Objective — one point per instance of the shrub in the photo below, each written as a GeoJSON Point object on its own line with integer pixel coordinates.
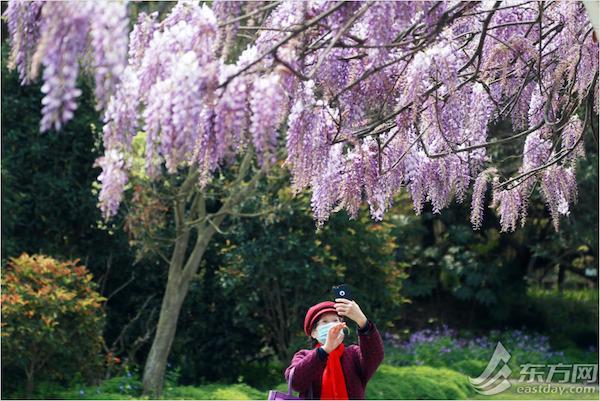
{"type": "Point", "coordinates": [262, 375]}
{"type": "Point", "coordinates": [125, 386]}
{"type": "Point", "coordinates": [570, 316]}
{"type": "Point", "coordinates": [116, 388]}
{"type": "Point", "coordinates": [470, 367]}
{"type": "Point", "coordinates": [51, 317]}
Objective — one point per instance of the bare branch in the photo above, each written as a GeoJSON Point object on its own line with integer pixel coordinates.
{"type": "Point", "coordinates": [250, 14]}
{"type": "Point", "coordinates": [121, 287]}
{"type": "Point", "coordinates": [342, 30]}
{"type": "Point", "coordinates": [560, 156]}
{"type": "Point", "coordinates": [477, 53]}
{"type": "Point", "coordinates": [283, 41]}
{"type": "Point", "coordinates": [487, 144]}
{"type": "Point", "coordinates": [499, 8]}
{"type": "Point", "coordinates": [127, 327]}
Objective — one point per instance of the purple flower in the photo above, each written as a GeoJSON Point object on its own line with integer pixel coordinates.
{"type": "Point", "coordinates": [267, 104]}
{"type": "Point", "coordinates": [379, 97]}
{"type": "Point", "coordinates": [120, 118]}
{"type": "Point", "coordinates": [113, 179]}
{"type": "Point", "coordinates": [109, 29]}
{"type": "Point", "coordinates": [479, 189]}
{"type": "Point", "coordinates": [559, 189]}
{"type": "Point", "coordinates": [64, 28]}
{"type": "Point", "coordinates": [140, 37]}
{"type": "Point", "coordinates": [24, 30]}
{"type": "Point", "coordinates": [508, 203]}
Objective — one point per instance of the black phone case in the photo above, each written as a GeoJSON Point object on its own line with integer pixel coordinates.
{"type": "Point", "coordinates": [341, 288]}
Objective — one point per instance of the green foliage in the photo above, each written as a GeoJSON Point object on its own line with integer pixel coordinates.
{"type": "Point", "coordinates": [570, 316]}
{"type": "Point", "coordinates": [129, 387]}
{"type": "Point", "coordinates": [575, 247]}
{"type": "Point", "coordinates": [259, 277]}
{"type": "Point", "coordinates": [49, 207]}
{"type": "Point", "coordinates": [52, 318]}
{"type": "Point", "coordinates": [211, 343]}
{"type": "Point", "coordinates": [205, 392]}
{"type": "Point", "coordinates": [413, 383]}
{"type": "Point", "coordinates": [478, 279]}
{"type": "Point", "coordinates": [470, 354]}
{"type": "Point", "coordinates": [418, 383]}
{"type": "Point", "coordinates": [421, 382]}
{"type": "Point", "coordinates": [389, 382]}
{"type": "Point", "coordinates": [215, 392]}
{"type": "Point", "coordinates": [470, 367]}
{"type": "Point", "coordinates": [471, 276]}
{"type": "Point", "coordinates": [119, 387]}
{"type": "Point", "coordinates": [47, 177]}
{"type": "Point", "coordinates": [261, 375]}
{"type": "Point", "coordinates": [44, 389]}
{"type": "Point", "coordinates": [276, 266]}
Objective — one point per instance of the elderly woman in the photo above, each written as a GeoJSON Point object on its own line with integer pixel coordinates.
{"type": "Point", "coordinates": [330, 370]}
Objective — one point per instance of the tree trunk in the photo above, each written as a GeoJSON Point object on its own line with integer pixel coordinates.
{"type": "Point", "coordinates": [154, 369]}
{"type": "Point", "coordinates": [182, 269]}
{"type": "Point", "coordinates": [29, 373]}
{"type": "Point", "coordinates": [181, 272]}
{"type": "Point", "coordinates": [561, 277]}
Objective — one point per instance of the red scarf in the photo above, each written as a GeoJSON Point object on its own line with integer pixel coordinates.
{"type": "Point", "coordinates": [333, 385]}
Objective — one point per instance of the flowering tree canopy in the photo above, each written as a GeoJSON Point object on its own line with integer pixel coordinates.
{"type": "Point", "coordinates": [369, 97]}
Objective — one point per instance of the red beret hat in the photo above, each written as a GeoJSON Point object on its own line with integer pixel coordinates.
{"type": "Point", "coordinates": [315, 312]}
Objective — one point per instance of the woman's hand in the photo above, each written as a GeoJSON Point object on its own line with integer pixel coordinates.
{"type": "Point", "coordinates": [350, 309]}
{"type": "Point", "coordinates": [334, 337]}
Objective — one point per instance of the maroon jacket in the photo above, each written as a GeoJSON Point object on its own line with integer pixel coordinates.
{"type": "Point", "coordinates": [359, 363]}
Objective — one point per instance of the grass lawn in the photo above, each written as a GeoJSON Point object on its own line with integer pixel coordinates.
{"type": "Point", "coordinates": [414, 382]}
{"type": "Point", "coordinates": [388, 383]}
{"type": "Point", "coordinates": [206, 392]}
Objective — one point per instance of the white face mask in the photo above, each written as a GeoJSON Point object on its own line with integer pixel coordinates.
{"type": "Point", "coordinates": [324, 329]}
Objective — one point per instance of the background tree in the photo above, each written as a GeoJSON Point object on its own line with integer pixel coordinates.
{"type": "Point", "coordinates": [49, 206]}
{"type": "Point", "coordinates": [282, 266]}
{"type": "Point", "coordinates": [50, 309]}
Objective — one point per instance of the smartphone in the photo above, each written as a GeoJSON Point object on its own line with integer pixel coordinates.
{"type": "Point", "coordinates": [341, 291]}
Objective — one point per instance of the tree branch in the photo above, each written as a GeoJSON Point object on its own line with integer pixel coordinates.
{"type": "Point", "coordinates": [342, 30]}
{"type": "Point", "coordinates": [250, 14]}
{"type": "Point", "coordinates": [477, 53]}
{"type": "Point", "coordinates": [282, 42]}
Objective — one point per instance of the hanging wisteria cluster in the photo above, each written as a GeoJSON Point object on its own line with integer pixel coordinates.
{"type": "Point", "coordinates": [369, 97]}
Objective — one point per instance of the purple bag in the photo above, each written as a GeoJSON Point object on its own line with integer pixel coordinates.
{"type": "Point", "coordinates": [278, 395]}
